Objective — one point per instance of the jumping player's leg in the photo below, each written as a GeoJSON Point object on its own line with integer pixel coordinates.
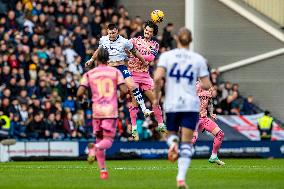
{"type": "Point", "coordinates": [133, 110]}
{"type": "Point", "coordinates": [212, 127]}
{"type": "Point", "coordinates": [134, 89]}
{"type": "Point", "coordinates": [156, 108]}
{"type": "Point", "coordinates": [137, 95]}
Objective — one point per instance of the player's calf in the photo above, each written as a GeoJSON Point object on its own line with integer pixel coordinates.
{"type": "Point", "coordinates": [172, 142]}
{"type": "Point", "coordinates": [91, 153]}
{"type": "Point", "coordinates": [218, 139]}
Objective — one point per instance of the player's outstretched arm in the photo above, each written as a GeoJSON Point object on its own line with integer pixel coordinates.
{"type": "Point", "coordinates": [81, 91]}
{"type": "Point", "coordinates": [90, 62]}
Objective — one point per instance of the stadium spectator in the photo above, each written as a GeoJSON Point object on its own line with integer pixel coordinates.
{"type": "Point", "coordinates": [247, 107]}
{"type": "Point", "coordinates": [167, 39]}
{"type": "Point", "coordinates": [226, 90]}
{"type": "Point", "coordinates": [123, 127]}
{"type": "Point", "coordinates": [18, 129]}
{"type": "Point", "coordinates": [36, 129]}
{"type": "Point", "coordinates": [58, 130]}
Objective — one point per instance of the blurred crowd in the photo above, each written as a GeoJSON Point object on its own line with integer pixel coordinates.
{"type": "Point", "coordinates": [43, 47]}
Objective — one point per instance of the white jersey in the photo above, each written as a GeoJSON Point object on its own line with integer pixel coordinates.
{"type": "Point", "coordinates": [183, 67]}
{"type": "Point", "coordinates": [116, 49]}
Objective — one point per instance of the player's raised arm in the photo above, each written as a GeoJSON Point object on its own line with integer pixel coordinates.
{"type": "Point", "coordinates": [81, 91]}
{"type": "Point", "coordinates": [84, 84]}
{"type": "Point", "coordinates": [90, 62]}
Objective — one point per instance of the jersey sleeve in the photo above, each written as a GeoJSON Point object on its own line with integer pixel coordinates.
{"type": "Point", "coordinates": [120, 79]}
{"type": "Point", "coordinates": [128, 44]}
{"type": "Point", "coordinates": [155, 49]}
{"type": "Point", "coordinates": [203, 69]}
{"type": "Point", "coordinates": [101, 42]}
{"type": "Point", "coordinates": [163, 61]}
{"type": "Point", "coordinates": [85, 80]}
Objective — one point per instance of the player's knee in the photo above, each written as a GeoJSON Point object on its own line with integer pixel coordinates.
{"type": "Point", "coordinates": [220, 135]}
{"type": "Point", "coordinates": [130, 83]}
{"type": "Point", "coordinates": [186, 151]}
{"type": "Point", "coordinates": [108, 141]}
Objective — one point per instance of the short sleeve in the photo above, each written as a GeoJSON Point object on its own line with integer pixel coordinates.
{"type": "Point", "coordinates": [128, 44]}
{"type": "Point", "coordinates": [162, 61]}
{"type": "Point", "coordinates": [156, 49]}
{"type": "Point", "coordinates": [203, 69]}
{"type": "Point", "coordinates": [101, 42]}
{"type": "Point", "coordinates": [84, 80]}
{"type": "Point", "coordinates": [120, 79]}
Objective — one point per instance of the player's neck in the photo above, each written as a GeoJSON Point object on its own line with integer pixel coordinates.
{"type": "Point", "coordinates": [182, 47]}
{"type": "Point", "coordinates": [115, 39]}
{"type": "Point", "coordinates": [147, 39]}
{"type": "Point", "coordinates": [101, 64]}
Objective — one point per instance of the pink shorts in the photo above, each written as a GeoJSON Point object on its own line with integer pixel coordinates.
{"type": "Point", "coordinates": [107, 127]}
{"type": "Point", "coordinates": [143, 80]}
{"type": "Point", "coordinates": [207, 124]}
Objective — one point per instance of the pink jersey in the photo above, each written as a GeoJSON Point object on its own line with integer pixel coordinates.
{"type": "Point", "coordinates": [204, 96]}
{"type": "Point", "coordinates": [103, 81]}
{"type": "Point", "coordinates": [148, 49]}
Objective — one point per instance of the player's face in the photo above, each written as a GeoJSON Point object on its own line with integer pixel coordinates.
{"type": "Point", "coordinates": [148, 32]}
{"type": "Point", "coordinates": [112, 34]}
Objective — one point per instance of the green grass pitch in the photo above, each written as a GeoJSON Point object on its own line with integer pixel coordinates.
{"type": "Point", "coordinates": [143, 174]}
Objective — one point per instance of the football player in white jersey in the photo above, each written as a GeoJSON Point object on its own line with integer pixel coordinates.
{"type": "Point", "coordinates": [117, 46]}
{"type": "Point", "coordinates": [181, 68]}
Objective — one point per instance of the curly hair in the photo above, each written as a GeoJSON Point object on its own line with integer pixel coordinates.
{"type": "Point", "coordinates": [151, 24]}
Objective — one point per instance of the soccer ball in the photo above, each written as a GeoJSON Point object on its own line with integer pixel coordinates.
{"type": "Point", "coordinates": [157, 16]}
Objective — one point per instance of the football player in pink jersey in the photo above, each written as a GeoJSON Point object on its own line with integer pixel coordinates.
{"type": "Point", "coordinates": [207, 124]}
{"type": "Point", "coordinates": [103, 82]}
{"type": "Point", "coordinates": [148, 48]}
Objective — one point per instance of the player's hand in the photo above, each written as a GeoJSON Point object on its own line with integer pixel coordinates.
{"type": "Point", "coordinates": [89, 63]}
{"type": "Point", "coordinates": [214, 116]}
{"type": "Point", "coordinates": [127, 52]}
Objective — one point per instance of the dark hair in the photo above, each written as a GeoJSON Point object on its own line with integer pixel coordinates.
{"type": "Point", "coordinates": [112, 26]}
{"type": "Point", "coordinates": [103, 55]}
{"type": "Point", "coordinates": [184, 36]}
{"type": "Point", "coordinates": [151, 24]}
{"type": "Point", "coordinates": [266, 112]}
